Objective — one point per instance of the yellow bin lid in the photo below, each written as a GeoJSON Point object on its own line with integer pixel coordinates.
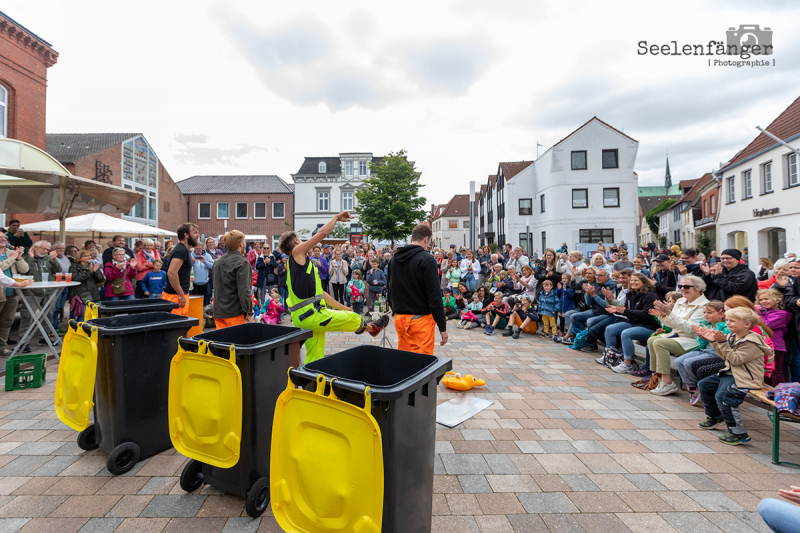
{"type": "Point", "coordinates": [76, 374]}
{"type": "Point", "coordinates": [326, 463]}
{"type": "Point", "coordinates": [205, 406]}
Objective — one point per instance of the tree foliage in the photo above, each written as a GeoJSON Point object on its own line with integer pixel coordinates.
{"type": "Point", "coordinates": [340, 231]}
{"type": "Point", "coordinates": [703, 244]}
{"type": "Point", "coordinates": [652, 216]}
{"type": "Point", "coordinates": [390, 205]}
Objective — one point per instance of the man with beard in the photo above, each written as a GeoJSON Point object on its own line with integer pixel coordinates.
{"type": "Point", "coordinates": [180, 268]}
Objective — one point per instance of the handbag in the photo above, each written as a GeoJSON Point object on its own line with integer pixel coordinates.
{"type": "Point", "coordinates": [118, 286]}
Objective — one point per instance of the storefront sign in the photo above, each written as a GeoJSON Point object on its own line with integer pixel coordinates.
{"type": "Point", "coordinates": [766, 212]}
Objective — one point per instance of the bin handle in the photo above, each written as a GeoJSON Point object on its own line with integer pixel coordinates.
{"type": "Point", "coordinates": [232, 352]}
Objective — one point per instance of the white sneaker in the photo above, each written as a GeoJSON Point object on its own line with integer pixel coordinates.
{"type": "Point", "coordinates": [622, 368]}
{"type": "Point", "coordinates": [601, 360]}
{"type": "Point", "coordinates": [664, 390]}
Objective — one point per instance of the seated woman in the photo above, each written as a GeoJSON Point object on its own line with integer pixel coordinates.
{"type": "Point", "coordinates": [638, 325]}
{"type": "Point", "coordinates": [687, 312]}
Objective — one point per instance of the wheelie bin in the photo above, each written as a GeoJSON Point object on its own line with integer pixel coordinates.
{"type": "Point", "coordinates": [223, 388]}
{"type": "Point", "coordinates": [108, 308]}
{"type": "Point", "coordinates": [400, 389]}
{"type": "Point", "coordinates": [119, 367]}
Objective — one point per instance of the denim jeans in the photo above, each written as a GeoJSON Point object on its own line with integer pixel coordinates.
{"type": "Point", "coordinates": [115, 298]}
{"type": "Point", "coordinates": [627, 333]}
{"type": "Point", "coordinates": [684, 365]}
{"type": "Point", "coordinates": [568, 320]}
{"type": "Point", "coordinates": [721, 398]}
{"type": "Point", "coordinates": [794, 364]}
{"type": "Point", "coordinates": [471, 282]}
{"type": "Point", "coordinates": [60, 301]}
{"type": "Point", "coordinates": [579, 319]}
{"type": "Point", "coordinates": [597, 325]}
{"type": "Point", "coordinates": [780, 516]}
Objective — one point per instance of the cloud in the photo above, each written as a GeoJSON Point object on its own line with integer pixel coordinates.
{"type": "Point", "coordinates": [196, 138]}
{"type": "Point", "coordinates": [207, 155]}
{"type": "Point", "coordinates": [305, 63]}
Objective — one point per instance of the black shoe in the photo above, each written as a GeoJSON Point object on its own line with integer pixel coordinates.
{"type": "Point", "coordinates": [508, 333]}
{"type": "Point", "coordinates": [26, 349]}
{"type": "Point", "coordinates": [379, 325]}
{"type": "Point", "coordinates": [9, 342]}
{"type": "Point", "coordinates": [516, 333]}
{"type": "Point", "coordinates": [589, 348]}
{"type": "Point", "coordinates": [710, 422]}
{"type": "Point", "coordinates": [42, 342]}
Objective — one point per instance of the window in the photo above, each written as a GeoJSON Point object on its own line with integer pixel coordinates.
{"type": "Point", "coordinates": [766, 178]}
{"type": "Point", "coordinates": [705, 208]}
{"type": "Point", "coordinates": [747, 184]}
{"type": "Point", "coordinates": [347, 201]}
{"type": "Point", "coordinates": [204, 210]}
{"type": "Point", "coordinates": [362, 168]}
{"type": "Point", "coordinates": [452, 224]}
{"type": "Point", "coordinates": [278, 210]}
{"type": "Point", "coordinates": [610, 159]}
{"type": "Point", "coordinates": [260, 210]}
{"type": "Point", "coordinates": [348, 168]}
{"type": "Point", "coordinates": [713, 203]}
{"type": "Point", "coordinates": [580, 198]}
{"type": "Point", "coordinates": [525, 206]}
{"type": "Point", "coordinates": [152, 201]}
{"type": "Point", "coordinates": [323, 167]}
{"type": "Point", "coordinates": [241, 209]}
{"type": "Point", "coordinates": [275, 239]}
{"type": "Point", "coordinates": [323, 201]}
{"type": "Point", "coordinates": [731, 190]}
{"type": "Point", "coordinates": [593, 236]}
{"type": "Point", "coordinates": [541, 204]}
{"type": "Point", "coordinates": [579, 160]}
{"type": "Point", "coordinates": [140, 209]}
{"type": "Point", "coordinates": [611, 197]}
{"type": "Point", "coordinates": [222, 210]}
{"type": "Point", "coordinates": [676, 213]}
{"type": "Point", "coordinates": [3, 112]}
{"type": "Point", "coordinates": [139, 168]}
{"type": "Point", "coordinates": [791, 166]}
{"type": "Point", "coordinates": [544, 240]}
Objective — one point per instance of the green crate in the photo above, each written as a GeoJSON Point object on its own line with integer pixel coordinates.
{"type": "Point", "coordinates": [18, 378]}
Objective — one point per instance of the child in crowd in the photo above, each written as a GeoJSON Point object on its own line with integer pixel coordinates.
{"type": "Point", "coordinates": [502, 283]}
{"type": "Point", "coordinates": [566, 298]}
{"type": "Point", "coordinates": [449, 303]}
{"type": "Point", "coordinates": [272, 310]}
{"type": "Point", "coordinates": [461, 305]}
{"type": "Point", "coordinates": [153, 282]}
{"type": "Point", "coordinates": [526, 313]}
{"type": "Point", "coordinates": [614, 275]}
{"type": "Point", "coordinates": [453, 275]}
{"type": "Point", "coordinates": [744, 352]}
{"type": "Point", "coordinates": [497, 314]}
{"type": "Point", "coordinates": [548, 307]}
{"type": "Point", "coordinates": [713, 317]}
{"type": "Point", "coordinates": [356, 289]}
{"type": "Point", "coordinates": [777, 319]}
{"type": "Point", "coordinates": [470, 319]}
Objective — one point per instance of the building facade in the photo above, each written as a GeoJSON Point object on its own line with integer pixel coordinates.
{"type": "Point", "coordinates": [254, 205]}
{"type": "Point", "coordinates": [450, 223]}
{"type": "Point", "coordinates": [325, 186]}
{"type": "Point", "coordinates": [706, 223]}
{"type": "Point", "coordinates": [760, 190]}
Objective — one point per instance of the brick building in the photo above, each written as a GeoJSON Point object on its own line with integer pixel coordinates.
{"type": "Point", "coordinates": [24, 60]}
{"type": "Point", "coordinates": [255, 205]}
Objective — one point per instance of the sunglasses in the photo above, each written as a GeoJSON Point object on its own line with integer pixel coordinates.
{"type": "Point", "coordinates": [687, 287]}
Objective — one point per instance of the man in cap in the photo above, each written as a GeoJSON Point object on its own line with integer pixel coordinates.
{"type": "Point", "coordinates": [729, 277]}
{"type": "Point", "coordinates": [664, 278]}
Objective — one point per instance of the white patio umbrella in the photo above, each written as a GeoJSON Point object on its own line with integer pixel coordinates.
{"type": "Point", "coordinates": [31, 181]}
{"type": "Point", "coordinates": [98, 225]}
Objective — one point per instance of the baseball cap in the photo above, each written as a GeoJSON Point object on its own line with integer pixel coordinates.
{"type": "Point", "coordinates": [284, 256]}
{"type": "Point", "coordinates": [661, 257]}
{"type": "Point", "coordinates": [326, 246]}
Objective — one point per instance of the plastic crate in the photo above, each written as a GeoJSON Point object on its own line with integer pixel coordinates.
{"type": "Point", "coordinates": [18, 378]}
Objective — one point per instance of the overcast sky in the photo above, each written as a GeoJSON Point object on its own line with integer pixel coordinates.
{"type": "Point", "coordinates": [239, 87]}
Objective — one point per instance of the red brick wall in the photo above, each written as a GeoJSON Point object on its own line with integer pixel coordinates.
{"type": "Point", "coordinates": [23, 72]}
{"type": "Point", "coordinates": [705, 202]}
{"type": "Point", "coordinates": [251, 226]}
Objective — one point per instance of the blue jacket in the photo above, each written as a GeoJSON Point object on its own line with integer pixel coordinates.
{"type": "Point", "coordinates": [548, 303]}
{"type": "Point", "coordinates": [153, 282]}
{"type": "Point", "coordinates": [566, 298]}
{"type": "Point", "coordinates": [378, 276]}
{"type": "Point", "coordinates": [201, 269]}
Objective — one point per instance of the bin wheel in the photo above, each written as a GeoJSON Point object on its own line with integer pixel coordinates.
{"type": "Point", "coordinates": [257, 498]}
{"type": "Point", "coordinates": [192, 476]}
{"type": "Point", "coordinates": [123, 458]}
{"type": "Point", "coordinates": [87, 439]}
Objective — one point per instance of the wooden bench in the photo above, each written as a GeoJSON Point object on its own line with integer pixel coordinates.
{"type": "Point", "coordinates": [775, 417]}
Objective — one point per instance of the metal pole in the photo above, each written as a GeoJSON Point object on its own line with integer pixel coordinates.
{"type": "Point", "coordinates": [472, 215]}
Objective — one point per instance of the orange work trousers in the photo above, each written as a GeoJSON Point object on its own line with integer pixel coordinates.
{"type": "Point", "coordinates": [183, 311]}
{"type": "Point", "coordinates": [228, 322]}
{"type": "Point", "coordinates": [415, 335]}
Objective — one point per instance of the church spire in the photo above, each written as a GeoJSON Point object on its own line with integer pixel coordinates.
{"type": "Point", "coordinates": [667, 177]}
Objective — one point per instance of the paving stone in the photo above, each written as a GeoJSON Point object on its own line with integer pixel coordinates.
{"type": "Point", "coordinates": [454, 524]}
{"type": "Point", "coordinates": [465, 464]}
{"type": "Point", "coordinates": [477, 434]}
{"type": "Point", "coordinates": [23, 465]}
{"type": "Point", "coordinates": [512, 483]}
{"type": "Point", "coordinates": [599, 502]}
{"type": "Point", "coordinates": [662, 446]}
{"type": "Point", "coordinates": [546, 502]}
{"type": "Point", "coordinates": [689, 522]}
{"type": "Point", "coordinates": [500, 464]}
{"type": "Point", "coordinates": [714, 501]}
{"type": "Point", "coordinates": [142, 525]}
{"type": "Point", "coordinates": [158, 485]}
{"type": "Point", "coordinates": [601, 523]}
{"type": "Point", "coordinates": [48, 525]}
{"type": "Point", "coordinates": [444, 447]}
{"type": "Point", "coordinates": [729, 522]}
{"type": "Point", "coordinates": [130, 506]}
{"type": "Point", "coordinates": [590, 446]}
{"type": "Point", "coordinates": [700, 482]}
{"type": "Point", "coordinates": [55, 466]}
{"type": "Point", "coordinates": [101, 525]}
{"type": "Point", "coordinates": [645, 482]}
{"type": "Point", "coordinates": [562, 523]}
{"type": "Point", "coordinates": [193, 525]}
{"type": "Point", "coordinates": [9, 485]}
{"type": "Point", "coordinates": [241, 525]}
{"type": "Point", "coordinates": [12, 525]}
{"type": "Point", "coordinates": [530, 446]}
{"type": "Point", "coordinates": [31, 506]}
{"type": "Point", "coordinates": [558, 446]}
{"type": "Point", "coordinates": [527, 523]}
{"type": "Point", "coordinates": [37, 448]}
{"type": "Point", "coordinates": [583, 423]}
{"type": "Point", "coordinates": [579, 482]}
{"type": "Point", "coordinates": [85, 506]}
{"type": "Point", "coordinates": [474, 483]}
{"type": "Point", "coordinates": [186, 505]}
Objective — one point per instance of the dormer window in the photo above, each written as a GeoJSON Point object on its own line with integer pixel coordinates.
{"type": "Point", "coordinates": [323, 168]}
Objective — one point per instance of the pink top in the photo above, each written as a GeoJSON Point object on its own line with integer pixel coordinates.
{"type": "Point", "coordinates": [112, 272]}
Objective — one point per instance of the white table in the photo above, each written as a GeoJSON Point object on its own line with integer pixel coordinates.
{"type": "Point", "coordinates": [39, 319]}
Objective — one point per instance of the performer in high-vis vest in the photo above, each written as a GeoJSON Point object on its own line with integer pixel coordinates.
{"type": "Point", "coordinates": [311, 307]}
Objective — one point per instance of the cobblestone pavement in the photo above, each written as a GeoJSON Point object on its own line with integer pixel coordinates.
{"type": "Point", "coordinates": [567, 446]}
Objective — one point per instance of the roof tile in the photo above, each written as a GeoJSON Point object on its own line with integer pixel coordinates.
{"type": "Point", "coordinates": [258, 184]}
{"type": "Point", "coordinates": [72, 147]}
{"type": "Point", "coordinates": [786, 125]}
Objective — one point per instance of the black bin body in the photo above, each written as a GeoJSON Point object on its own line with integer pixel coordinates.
{"type": "Point", "coordinates": [403, 386]}
{"type": "Point", "coordinates": [264, 354]}
{"type": "Point", "coordinates": [132, 385]}
{"type": "Point", "coordinates": [129, 307]}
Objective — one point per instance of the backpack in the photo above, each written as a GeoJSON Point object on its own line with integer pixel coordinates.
{"type": "Point", "coordinates": [580, 339]}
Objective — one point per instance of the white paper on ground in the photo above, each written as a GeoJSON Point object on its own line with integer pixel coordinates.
{"type": "Point", "coordinates": [455, 411]}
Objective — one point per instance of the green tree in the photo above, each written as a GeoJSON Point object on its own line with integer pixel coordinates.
{"type": "Point", "coordinates": [703, 244]}
{"type": "Point", "coordinates": [340, 231]}
{"type": "Point", "coordinates": [652, 216]}
{"type": "Point", "coordinates": [390, 205]}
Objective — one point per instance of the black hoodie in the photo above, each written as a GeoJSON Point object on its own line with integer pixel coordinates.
{"type": "Point", "coordinates": [413, 284]}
